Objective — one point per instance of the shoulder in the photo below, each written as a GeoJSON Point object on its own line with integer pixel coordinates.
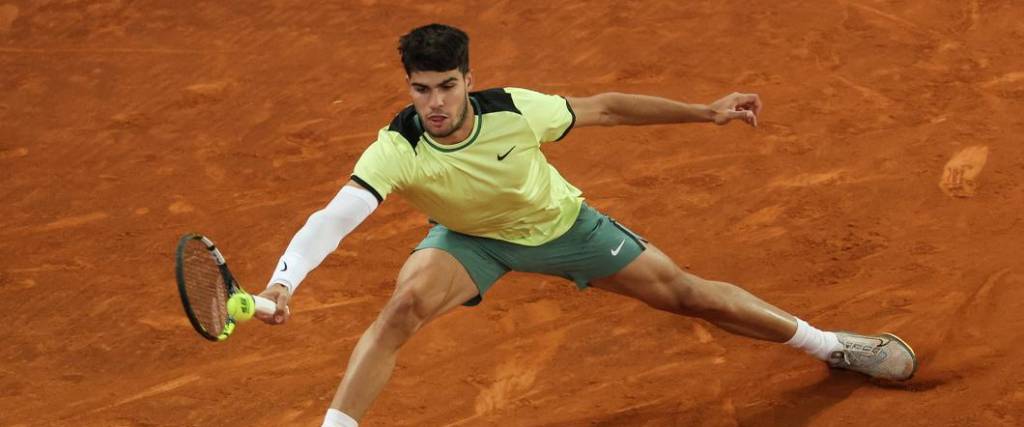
{"type": "Point", "coordinates": [549, 116]}
{"type": "Point", "coordinates": [526, 99]}
{"type": "Point", "coordinates": [496, 100]}
{"type": "Point", "coordinates": [404, 128]}
{"type": "Point", "coordinates": [516, 100]}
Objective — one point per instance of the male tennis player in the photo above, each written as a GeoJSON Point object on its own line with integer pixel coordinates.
{"type": "Point", "coordinates": [472, 161]}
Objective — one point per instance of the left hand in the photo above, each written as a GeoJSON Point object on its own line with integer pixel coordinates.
{"type": "Point", "coordinates": [742, 106]}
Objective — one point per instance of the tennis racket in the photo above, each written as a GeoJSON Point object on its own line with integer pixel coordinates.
{"type": "Point", "coordinates": [206, 285]}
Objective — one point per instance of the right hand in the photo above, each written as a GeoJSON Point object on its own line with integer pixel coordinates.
{"type": "Point", "coordinates": [279, 294]}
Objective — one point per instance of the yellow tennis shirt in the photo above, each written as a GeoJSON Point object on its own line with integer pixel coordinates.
{"type": "Point", "coordinates": [496, 184]}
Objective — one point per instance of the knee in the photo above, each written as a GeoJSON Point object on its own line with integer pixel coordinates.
{"type": "Point", "coordinates": [400, 318]}
{"type": "Point", "coordinates": [674, 293]}
{"type": "Point", "coordinates": [693, 296]}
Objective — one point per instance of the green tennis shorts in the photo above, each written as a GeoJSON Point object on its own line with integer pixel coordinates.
{"type": "Point", "coordinates": [594, 247]}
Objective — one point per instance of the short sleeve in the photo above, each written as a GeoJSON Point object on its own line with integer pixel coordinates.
{"type": "Point", "coordinates": [380, 167]}
{"type": "Point", "coordinates": [549, 116]}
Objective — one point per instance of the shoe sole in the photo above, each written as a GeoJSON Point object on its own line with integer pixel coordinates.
{"type": "Point", "coordinates": [913, 355]}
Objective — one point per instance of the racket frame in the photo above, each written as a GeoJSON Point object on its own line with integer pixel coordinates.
{"type": "Point", "coordinates": [229, 282]}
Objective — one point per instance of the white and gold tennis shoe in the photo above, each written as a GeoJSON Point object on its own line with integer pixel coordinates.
{"type": "Point", "coordinates": [884, 356]}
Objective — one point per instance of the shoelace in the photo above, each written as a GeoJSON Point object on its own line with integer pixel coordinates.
{"type": "Point", "coordinates": [843, 356]}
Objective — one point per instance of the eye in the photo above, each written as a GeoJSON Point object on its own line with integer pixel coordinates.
{"type": "Point", "coordinates": [420, 89]}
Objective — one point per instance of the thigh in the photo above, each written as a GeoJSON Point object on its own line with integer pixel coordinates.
{"type": "Point", "coordinates": [433, 282]}
{"type": "Point", "coordinates": [476, 255]}
{"type": "Point", "coordinates": [652, 278]}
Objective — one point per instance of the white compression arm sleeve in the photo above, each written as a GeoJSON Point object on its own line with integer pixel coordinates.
{"type": "Point", "coordinates": [322, 234]}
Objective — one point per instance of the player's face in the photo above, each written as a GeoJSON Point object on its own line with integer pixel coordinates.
{"type": "Point", "coordinates": [442, 100]}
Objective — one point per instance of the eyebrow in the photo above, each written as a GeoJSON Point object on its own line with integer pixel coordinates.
{"type": "Point", "coordinates": [446, 81]}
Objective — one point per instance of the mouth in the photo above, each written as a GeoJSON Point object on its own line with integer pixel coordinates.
{"type": "Point", "coordinates": [437, 119]}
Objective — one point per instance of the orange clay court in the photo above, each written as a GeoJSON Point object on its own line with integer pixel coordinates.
{"type": "Point", "coordinates": [882, 191]}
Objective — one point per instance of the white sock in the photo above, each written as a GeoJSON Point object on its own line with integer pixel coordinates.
{"type": "Point", "coordinates": [815, 342]}
{"type": "Point", "coordinates": [336, 418]}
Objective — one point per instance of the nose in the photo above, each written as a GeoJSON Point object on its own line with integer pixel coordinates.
{"type": "Point", "coordinates": [436, 100]}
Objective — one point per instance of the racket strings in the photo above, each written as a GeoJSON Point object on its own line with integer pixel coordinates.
{"type": "Point", "coordinates": [205, 286]}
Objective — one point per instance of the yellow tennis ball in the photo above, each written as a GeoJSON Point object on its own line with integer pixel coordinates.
{"type": "Point", "coordinates": [241, 307]}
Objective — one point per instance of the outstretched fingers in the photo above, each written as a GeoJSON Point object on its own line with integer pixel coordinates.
{"type": "Point", "coordinates": [750, 105]}
{"type": "Point", "coordinates": [746, 115]}
{"type": "Point", "coordinates": [741, 106]}
{"type": "Point", "coordinates": [749, 102]}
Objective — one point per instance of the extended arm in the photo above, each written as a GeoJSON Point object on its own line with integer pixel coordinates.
{"type": "Point", "coordinates": [321, 235]}
{"type": "Point", "coordinates": [613, 109]}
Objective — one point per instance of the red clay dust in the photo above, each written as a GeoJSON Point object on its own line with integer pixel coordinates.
{"type": "Point", "coordinates": [882, 191]}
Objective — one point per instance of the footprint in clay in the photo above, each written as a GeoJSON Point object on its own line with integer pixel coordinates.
{"type": "Point", "coordinates": [960, 178]}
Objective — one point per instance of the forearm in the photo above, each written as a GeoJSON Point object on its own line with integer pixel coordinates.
{"type": "Point", "coordinates": [629, 109]}
{"type": "Point", "coordinates": [322, 234]}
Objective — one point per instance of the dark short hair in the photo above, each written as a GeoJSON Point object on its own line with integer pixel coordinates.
{"type": "Point", "coordinates": [434, 47]}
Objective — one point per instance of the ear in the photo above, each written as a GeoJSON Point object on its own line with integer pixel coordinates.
{"type": "Point", "coordinates": [469, 80]}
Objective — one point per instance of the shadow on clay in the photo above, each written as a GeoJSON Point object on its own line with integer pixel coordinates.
{"type": "Point", "coordinates": [795, 407]}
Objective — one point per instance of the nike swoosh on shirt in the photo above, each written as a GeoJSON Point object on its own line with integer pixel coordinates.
{"type": "Point", "coordinates": [285, 268]}
{"type": "Point", "coordinates": [615, 252]}
{"type": "Point", "coordinates": [503, 156]}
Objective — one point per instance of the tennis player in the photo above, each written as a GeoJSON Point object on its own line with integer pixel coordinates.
{"type": "Point", "coordinates": [472, 161]}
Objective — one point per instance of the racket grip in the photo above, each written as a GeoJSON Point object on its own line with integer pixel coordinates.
{"type": "Point", "coordinates": [264, 306]}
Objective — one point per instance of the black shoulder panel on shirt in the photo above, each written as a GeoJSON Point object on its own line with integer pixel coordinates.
{"type": "Point", "coordinates": [495, 100]}
{"type": "Point", "coordinates": [406, 125]}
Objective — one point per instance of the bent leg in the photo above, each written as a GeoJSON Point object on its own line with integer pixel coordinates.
{"type": "Point", "coordinates": [431, 283]}
{"type": "Point", "coordinates": [657, 281]}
